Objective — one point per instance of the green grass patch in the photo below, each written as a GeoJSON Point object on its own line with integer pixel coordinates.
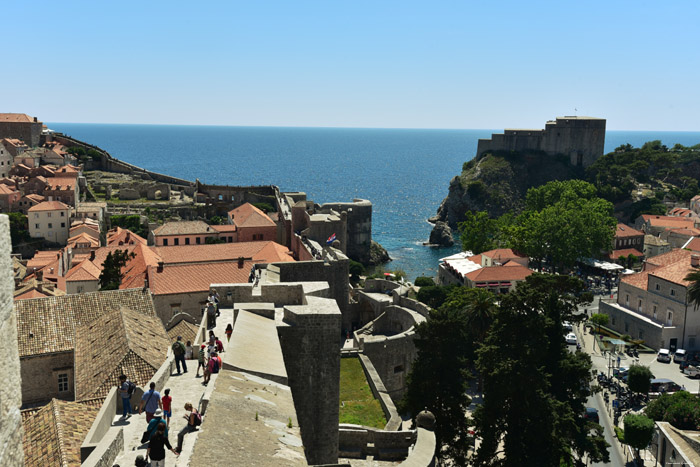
{"type": "Point", "coordinates": [357, 404]}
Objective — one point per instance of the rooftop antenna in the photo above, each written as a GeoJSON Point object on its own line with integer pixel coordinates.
{"type": "Point", "coordinates": [575, 111]}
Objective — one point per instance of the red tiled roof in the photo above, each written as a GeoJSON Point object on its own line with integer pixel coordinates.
{"type": "Point", "coordinates": [674, 272]}
{"type": "Point", "coordinates": [49, 206]}
{"type": "Point", "coordinates": [667, 221]}
{"type": "Point", "coordinates": [615, 254]}
{"type": "Point", "coordinates": [500, 273]}
{"type": "Point", "coordinates": [267, 252]}
{"type": "Point", "coordinates": [83, 237]}
{"type": "Point", "coordinates": [656, 264]}
{"type": "Point", "coordinates": [501, 255]}
{"type": "Point", "coordinates": [247, 215]}
{"type": "Point", "coordinates": [85, 271]}
{"type": "Point", "coordinates": [7, 190]}
{"type": "Point", "coordinates": [689, 232]}
{"type": "Point", "coordinates": [61, 183]}
{"type": "Point", "coordinates": [188, 278]}
{"type": "Point", "coordinates": [15, 118]}
{"type": "Point", "coordinates": [184, 228]}
{"type": "Point", "coordinates": [224, 228]}
{"type": "Point", "coordinates": [119, 236]}
{"type": "Point", "coordinates": [667, 258]}
{"type": "Point", "coordinates": [623, 230]}
{"type": "Point", "coordinates": [31, 293]}
{"type": "Point", "coordinates": [694, 244]}
{"type": "Point", "coordinates": [680, 212]}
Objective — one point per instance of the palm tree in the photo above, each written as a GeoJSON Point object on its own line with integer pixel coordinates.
{"type": "Point", "coordinates": [694, 288]}
{"type": "Point", "coordinates": [481, 311]}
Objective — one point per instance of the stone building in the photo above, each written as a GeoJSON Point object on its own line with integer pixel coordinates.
{"type": "Point", "coordinates": [46, 336]}
{"type": "Point", "coordinates": [21, 126]}
{"type": "Point", "coordinates": [582, 139]}
{"type": "Point", "coordinates": [182, 233]}
{"type": "Point", "coordinates": [252, 224]}
{"type": "Point", "coordinates": [11, 453]}
{"type": "Point", "coordinates": [653, 305]}
{"type": "Point", "coordinates": [49, 220]}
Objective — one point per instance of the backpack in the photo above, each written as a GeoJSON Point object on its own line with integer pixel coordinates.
{"type": "Point", "coordinates": [197, 419]}
{"type": "Point", "coordinates": [178, 348]}
{"type": "Point", "coordinates": [215, 366]}
{"type": "Point", "coordinates": [131, 389]}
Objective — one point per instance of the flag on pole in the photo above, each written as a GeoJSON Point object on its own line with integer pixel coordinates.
{"type": "Point", "coordinates": [331, 239]}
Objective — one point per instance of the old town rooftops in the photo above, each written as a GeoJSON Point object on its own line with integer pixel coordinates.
{"type": "Point", "coordinates": [17, 118]}
{"type": "Point", "coordinates": [265, 251]}
{"type": "Point", "coordinates": [623, 230]}
{"type": "Point", "coordinates": [47, 325]}
{"type": "Point", "coordinates": [184, 228]}
{"type": "Point", "coordinates": [247, 215]}
{"type": "Point", "coordinates": [49, 206]}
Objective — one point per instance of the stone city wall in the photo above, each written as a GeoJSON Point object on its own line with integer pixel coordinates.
{"type": "Point", "coordinates": [357, 442]}
{"type": "Point", "coordinates": [359, 227]}
{"type": "Point", "coordinates": [11, 453]}
{"type": "Point", "coordinates": [29, 132]}
{"type": "Point", "coordinates": [190, 303]}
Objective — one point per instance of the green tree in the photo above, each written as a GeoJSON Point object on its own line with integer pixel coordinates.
{"type": "Point", "coordinates": [639, 430]}
{"type": "Point", "coordinates": [19, 232]}
{"type": "Point", "coordinates": [599, 319]}
{"type": "Point", "coordinates": [432, 295]}
{"type": "Point", "coordinates": [480, 311]}
{"type": "Point", "coordinates": [694, 288]}
{"type": "Point", "coordinates": [424, 281]}
{"type": "Point", "coordinates": [130, 222]}
{"type": "Point", "coordinates": [535, 390]}
{"type": "Point", "coordinates": [76, 151]}
{"type": "Point", "coordinates": [681, 409]}
{"type": "Point", "coordinates": [439, 379]}
{"type": "Point", "coordinates": [639, 379]}
{"type": "Point", "coordinates": [264, 207]}
{"type": "Point", "coordinates": [217, 220]}
{"type": "Point", "coordinates": [478, 232]}
{"type": "Point", "coordinates": [113, 269]}
{"type": "Point", "coordinates": [356, 269]}
{"type": "Point", "coordinates": [94, 154]}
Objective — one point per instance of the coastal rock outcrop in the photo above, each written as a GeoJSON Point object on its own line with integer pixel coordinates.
{"type": "Point", "coordinates": [441, 234]}
{"type": "Point", "coordinates": [377, 254]}
{"type": "Point", "coordinates": [497, 183]}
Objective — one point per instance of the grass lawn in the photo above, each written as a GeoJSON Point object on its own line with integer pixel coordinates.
{"type": "Point", "coordinates": [357, 404]}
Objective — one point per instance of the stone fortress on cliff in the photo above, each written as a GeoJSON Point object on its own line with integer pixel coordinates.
{"type": "Point", "coordinates": [582, 139]}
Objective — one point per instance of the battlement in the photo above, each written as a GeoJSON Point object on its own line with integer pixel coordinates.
{"type": "Point", "coordinates": [580, 138]}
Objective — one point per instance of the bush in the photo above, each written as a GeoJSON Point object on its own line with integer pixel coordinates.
{"type": "Point", "coordinates": [424, 281]}
{"type": "Point", "coordinates": [356, 269]}
{"type": "Point", "coordinates": [433, 296]}
{"type": "Point", "coordinates": [264, 207]}
{"type": "Point", "coordinates": [680, 409]}
{"type": "Point", "coordinates": [638, 431]}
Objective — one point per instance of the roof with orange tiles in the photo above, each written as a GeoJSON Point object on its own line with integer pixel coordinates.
{"type": "Point", "coordinates": [16, 118]}
{"type": "Point", "coordinates": [266, 251]}
{"type": "Point", "coordinates": [53, 434]}
{"type": "Point", "coordinates": [47, 325]}
{"type": "Point", "coordinates": [120, 342]}
{"type": "Point", "coordinates": [501, 255]}
{"type": "Point", "coordinates": [184, 228]}
{"type": "Point", "coordinates": [247, 215]}
{"type": "Point", "coordinates": [33, 288]}
{"type": "Point", "coordinates": [41, 259]}
{"type": "Point", "coordinates": [224, 228]}
{"type": "Point", "coordinates": [693, 244]}
{"type": "Point", "coordinates": [189, 278]}
{"type": "Point", "coordinates": [61, 183]}
{"type": "Point", "coordinates": [623, 230]}
{"type": "Point", "coordinates": [7, 190]}
{"type": "Point", "coordinates": [675, 273]}
{"type": "Point", "coordinates": [83, 238]}
{"type": "Point", "coordinates": [49, 206]}
{"type": "Point", "coordinates": [615, 254]}
{"type": "Point", "coordinates": [667, 258]}
{"type": "Point", "coordinates": [13, 142]}
{"type": "Point", "coordinates": [35, 198]}
{"type": "Point", "coordinates": [656, 264]}
{"type": "Point", "coordinates": [31, 293]}
{"type": "Point", "coordinates": [68, 170]}
{"type": "Point", "coordinates": [499, 273]}
{"type": "Point", "coordinates": [681, 212]}
{"type": "Point", "coordinates": [85, 271]}
{"type": "Point", "coordinates": [668, 221]}
{"type": "Point", "coordinates": [475, 259]}
{"type": "Point", "coordinates": [119, 236]}
{"type": "Point", "coordinates": [689, 232]}
{"type": "Point", "coordinates": [135, 269]}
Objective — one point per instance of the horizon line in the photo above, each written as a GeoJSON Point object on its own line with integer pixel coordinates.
{"type": "Point", "coordinates": [336, 127]}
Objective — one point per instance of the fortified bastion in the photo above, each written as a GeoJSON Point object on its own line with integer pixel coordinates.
{"type": "Point", "coordinates": [580, 138]}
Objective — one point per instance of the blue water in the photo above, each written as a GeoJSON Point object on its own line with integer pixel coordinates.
{"type": "Point", "coordinates": [405, 173]}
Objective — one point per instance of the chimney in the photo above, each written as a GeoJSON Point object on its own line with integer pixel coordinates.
{"type": "Point", "coordinates": [160, 266]}
{"type": "Point", "coordinates": [241, 261]}
{"type": "Point", "coordinates": [35, 120]}
{"type": "Point", "coordinates": [92, 255]}
{"type": "Point", "coordinates": [695, 260]}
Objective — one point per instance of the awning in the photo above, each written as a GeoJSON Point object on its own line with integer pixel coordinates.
{"type": "Point", "coordinates": [493, 284]}
{"type": "Point", "coordinates": [506, 284]}
{"type": "Point", "coordinates": [481, 285]}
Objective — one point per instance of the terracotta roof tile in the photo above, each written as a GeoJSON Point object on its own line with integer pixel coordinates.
{"type": "Point", "coordinates": [61, 183]}
{"type": "Point", "coordinates": [224, 228]}
{"type": "Point", "coordinates": [184, 228]}
{"type": "Point", "coordinates": [247, 215]}
{"type": "Point", "coordinates": [188, 278]}
{"type": "Point", "coordinates": [686, 231]}
{"type": "Point", "coordinates": [501, 255]}
{"type": "Point", "coordinates": [183, 328]}
{"type": "Point", "coordinates": [267, 251]}
{"type": "Point", "coordinates": [83, 238]}
{"type": "Point", "coordinates": [85, 271]}
{"type": "Point", "coordinates": [693, 244]}
{"type": "Point", "coordinates": [615, 254]}
{"type": "Point", "coordinates": [675, 260]}
{"type": "Point", "coordinates": [31, 293]}
{"type": "Point", "coordinates": [15, 118]}
{"type": "Point", "coordinates": [49, 206]}
{"type": "Point", "coordinates": [118, 342]}
{"type": "Point", "coordinates": [500, 273]}
{"type": "Point", "coordinates": [119, 236]}
{"type": "Point", "coordinates": [47, 325]}
{"type": "Point", "coordinates": [7, 190]}
{"type": "Point", "coordinates": [53, 434]}
{"type": "Point", "coordinates": [668, 221]}
{"type": "Point", "coordinates": [623, 230]}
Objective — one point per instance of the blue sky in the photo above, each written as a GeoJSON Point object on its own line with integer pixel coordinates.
{"type": "Point", "coordinates": [439, 64]}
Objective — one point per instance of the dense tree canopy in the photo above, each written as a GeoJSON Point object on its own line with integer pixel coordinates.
{"type": "Point", "coordinates": [534, 388]}
{"type": "Point", "coordinates": [681, 409]}
{"type": "Point", "coordinates": [113, 269]}
{"type": "Point", "coordinates": [639, 379]}
{"type": "Point", "coordinates": [639, 430]}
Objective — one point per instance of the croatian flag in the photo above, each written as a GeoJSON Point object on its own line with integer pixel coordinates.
{"type": "Point", "coordinates": [330, 240]}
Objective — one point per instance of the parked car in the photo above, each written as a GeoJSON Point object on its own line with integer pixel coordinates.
{"type": "Point", "coordinates": [679, 356]}
{"type": "Point", "coordinates": [664, 355]}
{"type": "Point", "coordinates": [567, 326]}
{"type": "Point", "coordinates": [692, 371]}
{"type": "Point", "coordinates": [591, 414]}
{"type": "Point", "coordinates": [620, 372]}
{"type": "Point", "coordinates": [571, 339]}
{"type": "Point", "coordinates": [662, 386]}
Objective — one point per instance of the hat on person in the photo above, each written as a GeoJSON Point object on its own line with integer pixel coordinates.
{"type": "Point", "coordinates": [158, 413]}
{"type": "Point", "coordinates": [204, 345]}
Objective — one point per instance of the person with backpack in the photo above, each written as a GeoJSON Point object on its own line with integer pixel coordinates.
{"type": "Point", "coordinates": [213, 366]}
{"type": "Point", "coordinates": [126, 390]}
{"type": "Point", "coordinates": [200, 358]}
{"type": "Point", "coordinates": [179, 351]}
{"type": "Point", "coordinates": [194, 419]}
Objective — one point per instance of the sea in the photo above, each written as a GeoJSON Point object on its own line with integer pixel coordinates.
{"type": "Point", "coordinates": [405, 173]}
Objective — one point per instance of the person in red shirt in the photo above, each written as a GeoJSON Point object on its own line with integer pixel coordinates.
{"type": "Point", "coordinates": [167, 400]}
{"type": "Point", "coordinates": [219, 345]}
{"type": "Point", "coordinates": [213, 366]}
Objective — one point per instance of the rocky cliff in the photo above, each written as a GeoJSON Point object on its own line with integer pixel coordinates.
{"type": "Point", "coordinates": [497, 183]}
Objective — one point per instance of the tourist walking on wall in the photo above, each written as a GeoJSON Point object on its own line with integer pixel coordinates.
{"type": "Point", "coordinates": [211, 315]}
{"type": "Point", "coordinates": [200, 357]}
{"type": "Point", "coordinates": [156, 448]}
{"type": "Point", "coordinates": [158, 417]}
{"type": "Point", "coordinates": [229, 331]}
{"type": "Point", "coordinates": [150, 402]}
{"type": "Point", "coordinates": [167, 404]}
{"type": "Point", "coordinates": [126, 389]}
{"type": "Point", "coordinates": [213, 366]}
{"type": "Point", "coordinates": [179, 351]}
{"type": "Point", "coordinates": [194, 419]}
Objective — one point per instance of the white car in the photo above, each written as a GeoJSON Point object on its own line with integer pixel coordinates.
{"type": "Point", "coordinates": [571, 338]}
{"type": "Point", "coordinates": [663, 356]}
{"type": "Point", "coordinates": [567, 326]}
